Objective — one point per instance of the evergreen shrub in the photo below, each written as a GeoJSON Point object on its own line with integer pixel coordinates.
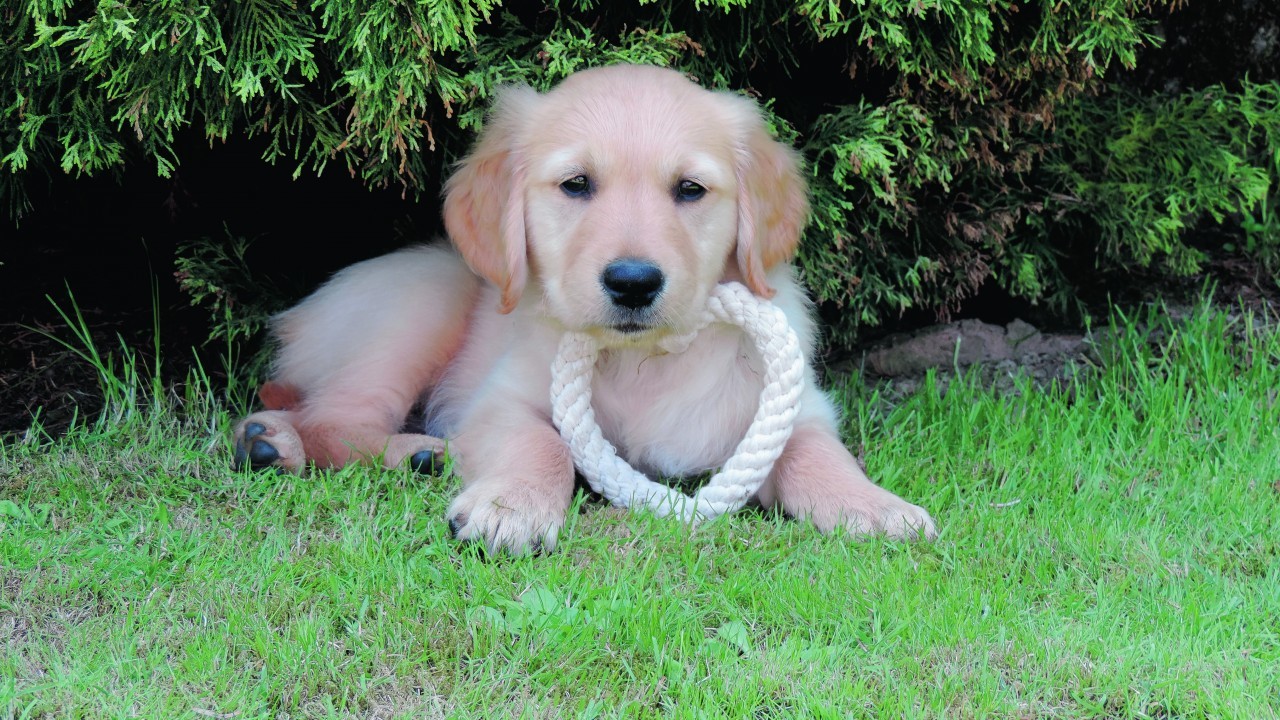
{"type": "Point", "coordinates": [949, 143]}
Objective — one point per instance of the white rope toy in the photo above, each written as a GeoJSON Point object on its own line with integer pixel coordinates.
{"type": "Point", "coordinates": [745, 471]}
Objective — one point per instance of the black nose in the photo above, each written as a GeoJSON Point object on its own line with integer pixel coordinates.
{"type": "Point", "coordinates": [632, 283]}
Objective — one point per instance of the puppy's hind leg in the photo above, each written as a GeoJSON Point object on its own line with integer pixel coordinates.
{"type": "Point", "coordinates": [354, 358]}
{"type": "Point", "coordinates": [359, 418]}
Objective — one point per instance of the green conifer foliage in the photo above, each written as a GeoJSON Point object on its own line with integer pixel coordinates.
{"type": "Point", "coordinates": [953, 143]}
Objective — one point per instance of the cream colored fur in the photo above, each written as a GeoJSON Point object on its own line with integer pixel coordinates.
{"type": "Point", "coordinates": [475, 332]}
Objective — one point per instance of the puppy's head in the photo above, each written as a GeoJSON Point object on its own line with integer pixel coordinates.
{"type": "Point", "coordinates": [626, 194]}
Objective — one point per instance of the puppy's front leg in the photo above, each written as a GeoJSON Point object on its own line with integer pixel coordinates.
{"type": "Point", "coordinates": [817, 478]}
{"type": "Point", "coordinates": [518, 481]}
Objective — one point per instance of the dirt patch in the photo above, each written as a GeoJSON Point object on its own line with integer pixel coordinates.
{"type": "Point", "coordinates": [1002, 355]}
{"type": "Point", "coordinates": [1005, 357]}
{"type": "Point", "coordinates": [41, 379]}
{"type": "Point", "coordinates": [966, 342]}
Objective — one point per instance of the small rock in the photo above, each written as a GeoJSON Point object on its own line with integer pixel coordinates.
{"type": "Point", "coordinates": [964, 343]}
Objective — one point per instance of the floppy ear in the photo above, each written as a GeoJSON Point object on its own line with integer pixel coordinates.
{"type": "Point", "coordinates": [773, 201]}
{"type": "Point", "coordinates": [484, 199]}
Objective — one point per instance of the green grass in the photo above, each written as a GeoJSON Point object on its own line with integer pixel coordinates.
{"type": "Point", "coordinates": [1109, 549]}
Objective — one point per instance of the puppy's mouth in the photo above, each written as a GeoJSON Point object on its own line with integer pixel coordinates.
{"type": "Point", "coordinates": [633, 323]}
{"type": "Point", "coordinates": [622, 327]}
{"type": "Point", "coordinates": [631, 328]}
{"type": "Point", "coordinates": [631, 331]}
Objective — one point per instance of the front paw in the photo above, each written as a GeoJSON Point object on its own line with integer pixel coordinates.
{"type": "Point", "coordinates": [882, 513]}
{"type": "Point", "coordinates": [507, 516]}
{"type": "Point", "coordinates": [900, 520]}
{"type": "Point", "coordinates": [266, 439]}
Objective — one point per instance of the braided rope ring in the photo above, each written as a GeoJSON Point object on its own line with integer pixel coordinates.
{"type": "Point", "coordinates": [749, 466]}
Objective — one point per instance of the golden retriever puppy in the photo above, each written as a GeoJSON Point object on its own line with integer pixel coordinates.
{"type": "Point", "coordinates": [612, 204]}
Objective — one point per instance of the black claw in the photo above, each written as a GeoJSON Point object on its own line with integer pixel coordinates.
{"type": "Point", "coordinates": [427, 462]}
{"type": "Point", "coordinates": [262, 454]}
{"type": "Point", "coordinates": [455, 524]}
{"type": "Point", "coordinates": [253, 430]}
{"type": "Point", "coordinates": [238, 460]}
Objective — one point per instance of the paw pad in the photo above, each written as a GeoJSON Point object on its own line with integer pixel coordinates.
{"type": "Point", "coordinates": [427, 462]}
{"type": "Point", "coordinates": [259, 453]}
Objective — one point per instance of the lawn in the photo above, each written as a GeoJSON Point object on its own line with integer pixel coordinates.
{"type": "Point", "coordinates": [1110, 548]}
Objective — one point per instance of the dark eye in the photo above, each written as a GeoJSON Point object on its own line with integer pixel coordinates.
{"type": "Point", "coordinates": [576, 186]}
{"type": "Point", "coordinates": [688, 191]}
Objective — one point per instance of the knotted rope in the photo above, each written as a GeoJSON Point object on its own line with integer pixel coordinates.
{"type": "Point", "coordinates": [745, 471]}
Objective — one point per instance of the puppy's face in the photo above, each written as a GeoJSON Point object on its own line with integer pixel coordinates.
{"type": "Point", "coordinates": [626, 194]}
{"type": "Point", "coordinates": [631, 202]}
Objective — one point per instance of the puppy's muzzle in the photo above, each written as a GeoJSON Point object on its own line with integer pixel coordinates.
{"type": "Point", "coordinates": [632, 283]}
